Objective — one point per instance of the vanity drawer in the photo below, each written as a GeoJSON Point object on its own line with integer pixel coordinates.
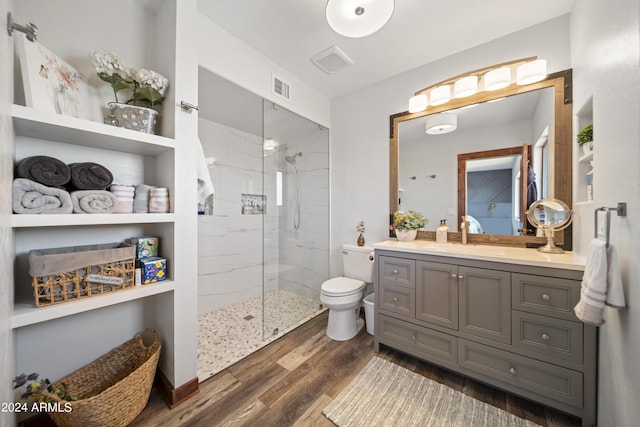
{"type": "Point", "coordinates": [397, 299]}
{"type": "Point", "coordinates": [397, 271]}
{"type": "Point", "coordinates": [548, 296]}
{"type": "Point", "coordinates": [547, 336]}
{"type": "Point", "coordinates": [522, 373]}
{"type": "Point", "coordinates": [418, 340]}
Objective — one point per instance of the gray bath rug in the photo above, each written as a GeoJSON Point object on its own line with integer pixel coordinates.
{"type": "Point", "coordinates": [385, 394]}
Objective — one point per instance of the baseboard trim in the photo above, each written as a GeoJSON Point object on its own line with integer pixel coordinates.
{"type": "Point", "coordinates": [175, 396]}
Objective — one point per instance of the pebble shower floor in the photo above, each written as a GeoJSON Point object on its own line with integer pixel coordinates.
{"type": "Point", "coordinates": [231, 333]}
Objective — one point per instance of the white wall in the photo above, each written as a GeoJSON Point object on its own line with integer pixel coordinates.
{"type": "Point", "coordinates": [360, 127]}
{"type": "Point", "coordinates": [223, 54]}
{"type": "Point", "coordinates": [605, 45]}
{"type": "Point", "coordinates": [6, 234]}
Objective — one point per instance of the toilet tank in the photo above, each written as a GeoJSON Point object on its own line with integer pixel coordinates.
{"type": "Point", "coordinates": [358, 262]}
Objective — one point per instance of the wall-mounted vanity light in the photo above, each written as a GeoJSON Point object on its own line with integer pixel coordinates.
{"type": "Point", "coordinates": [527, 71]}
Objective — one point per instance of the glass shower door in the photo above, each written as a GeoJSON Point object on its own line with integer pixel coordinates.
{"type": "Point", "coordinates": [295, 219]}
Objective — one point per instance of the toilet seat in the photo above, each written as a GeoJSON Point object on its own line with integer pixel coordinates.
{"type": "Point", "coordinates": [341, 286]}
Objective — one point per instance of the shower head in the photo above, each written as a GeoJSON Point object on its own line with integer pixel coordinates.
{"type": "Point", "coordinates": [292, 159]}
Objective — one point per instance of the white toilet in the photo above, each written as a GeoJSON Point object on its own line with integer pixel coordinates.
{"type": "Point", "coordinates": [343, 295]}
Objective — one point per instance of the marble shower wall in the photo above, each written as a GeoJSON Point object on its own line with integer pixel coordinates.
{"type": "Point", "coordinates": [230, 242]}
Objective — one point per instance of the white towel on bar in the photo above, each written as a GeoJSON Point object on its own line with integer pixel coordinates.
{"type": "Point", "coordinates": [601, 284]}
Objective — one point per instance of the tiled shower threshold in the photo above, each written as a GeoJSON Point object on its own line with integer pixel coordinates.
{"type": "Point", "coordinates": [231, 333]}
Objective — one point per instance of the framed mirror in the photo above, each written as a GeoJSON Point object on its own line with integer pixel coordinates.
{"type": "Point", "coordinates": [529, 127]}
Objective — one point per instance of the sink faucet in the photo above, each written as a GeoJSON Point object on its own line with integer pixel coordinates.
{"type": "Point", "coordinates": [464, 228]}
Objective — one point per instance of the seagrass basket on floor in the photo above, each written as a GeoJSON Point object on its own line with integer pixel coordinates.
{"type": "Point", "coordinates": [112, 390]}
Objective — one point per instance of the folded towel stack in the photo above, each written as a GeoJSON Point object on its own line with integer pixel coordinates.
{"type": "Point", "coordinates": [30, 197]}
{"type": "Point", "coordinates": [124, 194]}
{"type": "Point", "coordinates": [44, 170]}
{"type": "Point", "coordinates": [94, 202]}
{"type": "Point", "coordinates": [90, 176]}
{"type": "Point", "coordinates": [158, 200]}
{"type": "Point", "coordinates": [601, 284]}
{"type": "Point", "coordinates": [141, 198]}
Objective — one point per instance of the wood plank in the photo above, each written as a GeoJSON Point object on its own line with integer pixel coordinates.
{"type": "Point", "coordinates": [301, 354]}
{"type": "Point", "coordinates": [313, 416]}
{"type": "Point", "coordinates": [525, 409]}
{"type": "Point", "coordinates": [308, 382]}
{"type": "Point", "coordinates": [484, 393]}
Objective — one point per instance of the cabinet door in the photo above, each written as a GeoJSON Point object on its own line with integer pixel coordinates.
{"type": "Point", "coordinates": [437, 293]}
{"type": "Point", "coordinates": [485, 303]}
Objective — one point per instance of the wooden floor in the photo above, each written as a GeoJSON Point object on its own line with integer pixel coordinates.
{"type": "Point", "coordinates": [290, 381]}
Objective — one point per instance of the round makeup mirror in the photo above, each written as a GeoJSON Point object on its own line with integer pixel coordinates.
{"type": "Point", "coordinates": [550, 215]}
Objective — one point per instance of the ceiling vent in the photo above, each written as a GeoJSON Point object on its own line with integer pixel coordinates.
{"type": "Point", "coordinates": [331, 60]}
{"type": "Point", "coordinates": [279, 87]}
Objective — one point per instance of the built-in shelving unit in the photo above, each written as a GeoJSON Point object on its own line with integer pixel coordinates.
{"type": "Point", "coordinates": [583, 193]}
{"type": "Point", "coordinates": [99, 323]}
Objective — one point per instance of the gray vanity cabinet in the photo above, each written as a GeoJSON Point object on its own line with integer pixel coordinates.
{"type": "Point", "coordinates": [508, 325]}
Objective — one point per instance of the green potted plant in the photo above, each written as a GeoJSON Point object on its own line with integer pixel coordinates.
{"type": "Point", "coordinates": [406, 224]}
{"type": "Point", "coordinates": [585, 139]}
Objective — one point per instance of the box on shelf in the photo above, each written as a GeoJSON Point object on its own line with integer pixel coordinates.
{"type": "Point", "coordinates": [145, 246]}
{"type": "Point", "coordinates": [70, 273]}
{"type": "Point", "coordinates": [153, 269]}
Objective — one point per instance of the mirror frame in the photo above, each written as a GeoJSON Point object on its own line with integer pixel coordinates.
{"type": "Point", "coordinates": [562, 155]}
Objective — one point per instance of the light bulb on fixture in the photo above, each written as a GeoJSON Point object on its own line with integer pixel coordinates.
{"type": "Point", "coordinates": [418, 103]}
{"type": "Point", "coordinates": [358, 18]}
{"type": "Point", "coordinates": [439, 124]}
{"type": "Point", "coordinates": [532, 72]}
{"type": "Point", "coordinates": [497, 79]}
{"type": "Point", "coordinates": [440, 95]}
{"type": "Point", "coordinates": [465, 86]}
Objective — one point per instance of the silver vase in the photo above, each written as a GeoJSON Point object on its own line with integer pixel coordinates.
{"type": "Point", "coordinates": [142, 119]}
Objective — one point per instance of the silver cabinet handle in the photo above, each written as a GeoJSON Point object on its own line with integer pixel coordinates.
{"type": "Point", "coordinates": [545, 337]}
{"type": "Point", "coordinates": [395, 299]}
{"type": "Point", "coordinates": [546, 297]}
{"type": "Point", "coordinates": [461, 277]}
{"type": "Point", "coordinates": [395, 272]}
{"type": "Point", "coordinates": [512, 370]}
{"type": "Point", "coordinates": [454, 275]}
{"type": "Point", "coordinates": [413, 337]}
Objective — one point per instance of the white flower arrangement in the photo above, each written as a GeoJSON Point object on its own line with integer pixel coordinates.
{"type": "Point", "coordinates": [147, 87]}
{"type": "Point", "coordinates": [360, 227]}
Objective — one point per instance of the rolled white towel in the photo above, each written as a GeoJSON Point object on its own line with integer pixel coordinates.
{"type": "Point", "coordinates": [141, 198]}
{"type": "Point", "coordinates": [94, 202]}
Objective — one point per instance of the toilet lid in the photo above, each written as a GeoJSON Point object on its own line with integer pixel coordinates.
{"type": "Point", "coordinates": [342, 286]}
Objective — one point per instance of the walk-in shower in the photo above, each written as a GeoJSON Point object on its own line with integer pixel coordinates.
{"type": "Point", "coordinates": [296, 215]}
{"type": "Point", "coordinates": [264, 253]}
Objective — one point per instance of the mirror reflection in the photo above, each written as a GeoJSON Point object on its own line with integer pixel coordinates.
{"type": "Point", "coordinates": [506, 147]}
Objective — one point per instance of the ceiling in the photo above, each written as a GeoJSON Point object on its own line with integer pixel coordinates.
{"type": "Point", "coordinates": [291, 32]}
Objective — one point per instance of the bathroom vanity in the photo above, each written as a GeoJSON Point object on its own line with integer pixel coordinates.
{"type": "Point", "coordinates": [501, 315]}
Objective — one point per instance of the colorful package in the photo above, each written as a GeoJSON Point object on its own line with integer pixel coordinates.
{"type": "Point", "coordinates": [153, 269]}
{"type": "Point", "coordinates": [145, 246]}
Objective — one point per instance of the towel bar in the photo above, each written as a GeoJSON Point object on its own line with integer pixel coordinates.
{"type": "Point", "coordinates": [621, 210]}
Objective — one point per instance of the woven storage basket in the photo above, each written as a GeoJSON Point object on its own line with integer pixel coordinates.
{"type": "Point", "coordinates": [66, 274]}
{"type": "Point", "coordinates": [113, 389]}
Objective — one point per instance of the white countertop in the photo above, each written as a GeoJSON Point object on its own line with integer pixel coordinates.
{"type": "Point", "coordinates": [505, 254]}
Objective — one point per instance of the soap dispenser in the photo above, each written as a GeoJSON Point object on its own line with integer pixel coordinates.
{"type": "Point", "coordinates": [441, 232]}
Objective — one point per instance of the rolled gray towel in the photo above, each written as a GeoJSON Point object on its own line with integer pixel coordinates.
{"type": "Point", "coordinates": [89, 176]}
{"type": "Point", "coordinates": [94, 202]}
{"type": "Point", "coordinates": [30, 197]}
{"type": "Point", "coordinates": [45, 170]}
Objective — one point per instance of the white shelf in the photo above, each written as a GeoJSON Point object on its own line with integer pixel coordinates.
{"type": "Point", "coordinates": [586, 158]}
{"type": "Point", "coordinates": [25, 313]}
{"type": "Point", "coordinates": [66, 220]}
{"type": "Point", "coordinates": [55, 127]}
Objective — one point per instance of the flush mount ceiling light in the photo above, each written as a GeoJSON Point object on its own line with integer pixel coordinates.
{"type": "Point", "coordinates": [358, 18]}
{"type": "Point", "coordinates": [495, 77]}
{"type": "Point", "coordinates": [439, 124]}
